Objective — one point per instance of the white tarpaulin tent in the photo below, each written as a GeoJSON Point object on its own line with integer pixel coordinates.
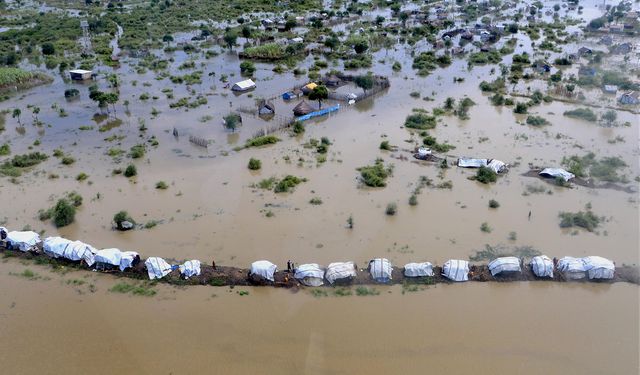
{"type": "Point", "coordinates": [190, 268]}
{"type": "Point", "coordinates": [557, 172]}
{"type": "Point", "coordinates": [23, 240]}
{"type": "Point", "coordinates": [504, 264]}
{"type": "Point", "coordinates": [309, 274]}
{"type": "Point", "coordinates": [109, 256]}
{"type": "Point", "coordinates": [599, 267]}
{"type": "Point", "coordinates": [456, 270]}
{"type": "Point", "coordinates": [245, 85]}
{"type": "Point", "coordinates": [264, 268]}
{"type": "Point", "coordinates": [54, 246]}
{"type": "Point", "coordinates": [127, 258]}
{"type": "Point", "coordinates": [472, 163]}
{"type": "Point", "coordinates": [157, 268]}
{"type": "Point", "coordinates": [542, 266]}
{"type": "Point", "coordinates": [497, 166]}
{"type": "Point", "coordinates": [339, 270]}
{"type": "Point", "coordinates": [418, 269]}
{"type": "Point", "coordinates": [380, 270]}
{"type": "Point", "coordinates": [78, 250]}
{"type": "Point", "coordinates": [573, 268]}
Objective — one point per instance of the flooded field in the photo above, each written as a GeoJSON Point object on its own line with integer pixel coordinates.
{"type": "Point", "coordinates": [213, 208]}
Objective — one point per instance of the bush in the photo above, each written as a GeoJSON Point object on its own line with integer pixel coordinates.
{"type": "Point", "coordinates": [287, 183]}
{"type": "Point", "coordinates": [420, 121]}
{"type": "Point", "coordinates": [315, 201]}
{"type": "Point", "coordinates": [384, 145]}
{"type": "Point", "coordinates": [486, 175]}
{"type": "Point", "coordinates": [582, 113]}
{"type": "Point", "coordinates": [247, 68]}
{"type": "Point", "coordinates": [5, 149]}
{"type": "Point", "coordinates": [298, 128]}
{"type": "Point", "coordinates": [131, 171]}
{"type": "Point", "coordinates": [82, 176]}
{"type": "Point", "coordinates": [392, 209]}
{"type": "Point", "coordinates": [586, 220]}
{"type": "Point", "coordinates": [375, 175]}
{"type": "Point", "coordinates": [485, 227]}
{"type": "Point", "coordinates": [28, 160]}
{"type": "Point", "coordinates": [68, 160]}
{"type": "Point", "coordinates": [71, 93]}
{"type": "Point", "coordinates": [494, 203]}
{"type": "Point", "coordinates": [137, 151]}
{"type": "Point", "coordinates": [122, 216]}
{"type": "Point", "coordinates": [63, 213]}
{"type": "Point", "coordinates": [254, 164]}
{"type": "Point", "coordinates": [537, 121]}
{"type": "Point", "coordinates": [413, 200]}
{"type": "Point", "coordinates": [161, 185]}
{"type": "Point", "coordinates": [261, 141]}
{"type": "Point", "coordinates": [520, 108]}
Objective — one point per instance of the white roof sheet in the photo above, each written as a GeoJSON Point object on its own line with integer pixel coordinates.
{"type": "Point", "coordinates": [79, 71]}
{"type": "Point", "coordinates": [127, 258]}
{"type": "Point", "coordinates": [157, 268]}
{"type": "Point", "coordinates": [504, 264]}
{"type": "Point", "coordinates": [456, 270]}
{"type": "Point", "coordinates": [190, 268]}
{"type": "Point", "coordinates": [264, 268]}
{"type": "Point", "coordinates": [542, 266]}
{"type": "Point", "coordinates": [599, 267]}
{"type": "Point", "coordinates": [418, 269]}
{"type": "Point", "coordinates": [54, 246]}
{"type": "Point", "coordinates": [23, 240]}
{"type": "Point", "coordinates": [557, 172]}
{"type": "Point", "coordinates": [244, 85]}
{"type": "Point", "coordinates": [472, 163]}
{"type": "Point", "coordinates": [109, 256]}
{"type": "Point", "coordinates": [497, 165]}
{"type": "Point", "coordinates": [78, 250]}
{"type": "Point", "coordinates": [380, 269]}
{"type": "Point", "coordinates": [310, 274]}
{"type": "Point", "coordinates": [339, 270]}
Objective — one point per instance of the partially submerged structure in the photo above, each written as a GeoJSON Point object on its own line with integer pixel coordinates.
{"type": "Point", "coordinates": [630, 97]}
{"type": "Point", "coordinates": [263, 270]}
{"type": "Point", "coordinates": [80, 74]}
{"type": "Point", "coordinates": [542, 266]}
{"type": "Point", "coordinates": [309, 274]}
{"type": "Point", "coordinates": [381, 270]}
{"type": "Point", "coordinates": [303, 108]}
{"type": "Point", "coordinates": [245, 85]}
{"type": "Point", "coordinates": [493, 164]}
{"type": "Point", "coordinates": [456, 270]}
{"type": "Point", "coordinates": [504, 264]}
{"type": "Point", "coordinates": [418, 269]}
{"type": "Point", "coordinates": [557, 173]}
{"type": "Point", "coordinates": [266, 107]}
{"type": "Point", "coordinates": [340, 272]}
{"type": "Point", "coordinates": [23, 240]}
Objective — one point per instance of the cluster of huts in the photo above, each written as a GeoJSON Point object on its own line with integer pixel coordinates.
{"type": "Point", "coordinates": [311, 274]}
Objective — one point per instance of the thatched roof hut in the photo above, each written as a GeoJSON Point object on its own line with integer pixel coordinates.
{"type": "Point", "coordinates": [303, 108]}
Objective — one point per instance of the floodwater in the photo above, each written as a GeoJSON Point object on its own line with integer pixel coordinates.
{"type": "Point", "coordinates": [528, 328]}
{"type": "Point", "coordinates": [212, 211]}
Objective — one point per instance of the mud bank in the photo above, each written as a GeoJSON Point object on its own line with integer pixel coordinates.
{"type": "Point", "coordinates": [232, 276]}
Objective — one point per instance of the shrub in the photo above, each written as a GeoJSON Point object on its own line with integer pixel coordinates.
{"type": "Point", "coordinates": [247, 68]}
{"type": "Point", "coordinates": [420, 121]}
{"type": "Point", "coordinates": [384, 145]}
{"type": "Point", "coordinates": [392, 209]}
{"type": "Point", "coordinates": [486, 175]}
{"type": "Point", "coordinates": [254, 164]}
{"type": "Point", "coordinates": [161, 185]}
{"type": "Point", "coordinates": [315, 201]}
{"type": "Point", "coordinates": [63, 213]}
{"type": "Point", "coordinates": [28, 160]}
{"type": "Point", "coordinates": [520, 108]}
{"type": "Point", "coordinates": [537, 121]}
{"type": "Point", "coordinates": [586, 220]}
{"type": "Point", "coordinates": [261, 141]}
{"type": "Point", "coordinates": [413, 200]}
{"type": "Point", "coordinates": [5, 149]}
{"type": "Point", "coordinates": [485, 227]}
{"type": "Point", "coordinates": [494, 203]}
{"type": "Point", "coordinates": [82, 176]}
{"type": "Point", "coordinates": [298, 128]}
{"type": "Point", "coordinates": [137, 151]}
{"type": "Point", "coordinates": [75, 199]}
{"type": "Point", "coordinates": [131, 171]}
{"type": "Point", "coordinates": [375, 175]}
{"type": "Point", "coordinates": [122, 216]}
{"type": "Point", "coordinates": [71, 93]}
{"type": "Point", "coordinates": [287, 183]}
{"type": "Point", "coordinates": [582, 113]}
{"type": "Point", "coordinates": [68, 160]}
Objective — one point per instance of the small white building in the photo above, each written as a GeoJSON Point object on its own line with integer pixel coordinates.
{"type": "Point", "coordinates": [245, 85]}
{"type": "Point", "coordinates": [80, 74]}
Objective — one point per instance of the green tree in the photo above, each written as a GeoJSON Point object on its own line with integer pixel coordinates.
{"type": "Point", "coordinates": [64, 213]}
{"type": "Point", "coordinates": [247, 32]}
{"type": "Point", "coordinates": [332, 42]}
{"type": "Point", "coordinates": [365, 82]}
{"type": "Point", "coordinates": [230, 38]}
{"type": "Point", "coordinates": [361, 46]}
{"type": "Point", "coordinates": [16, 114]}
{"type": "Point", "coordinates": [319, 93]}
{"type": "Point", "coordinates": [48, 49]}
{"type": "Point", "coordinates": [167, 38]}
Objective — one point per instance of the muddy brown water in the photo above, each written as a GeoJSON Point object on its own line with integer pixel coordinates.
{"type": "Point", "coordinates": [210, 211]}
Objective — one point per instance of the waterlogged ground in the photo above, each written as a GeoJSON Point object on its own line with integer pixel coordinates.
{"type": "Point", "coordinates": [212, 209]}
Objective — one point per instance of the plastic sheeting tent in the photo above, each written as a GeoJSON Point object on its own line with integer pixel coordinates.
{"type": "Point", "coordinates": [497, 166]}
{"type": "Point", "coordinates": [23, 240]}
{"type": "Point", "coordinates": [380, 270]}
{"type": "Point", "coordinates": [573, 268]}
{"type": "Point", "coordinates": [472, 163]}
{"type": "Point", "coordinates": [599, 267]}
{"type": "Point", "coordinates": [309, 274]}
{"type": "Point", "coordinates": [190, 268]}
{"type": "Point", "coordinates": [78, 251]}
{"type": "Point", "coordinates": [504, 264]}
{"type": "Point", "coordinates": [340, 270]}
{"type": "Point", "coordinates": [127, 259]}
{"type": "Point", "coordinates": [557, 172]}
{"type": "Point", "coordinates": [109, 256]}
{"type": "Point", "coordinates": [54, 246]}
{"type": "Point", "coordinates": [418, 269]}
{"type": "Point", "coordinates": [542, 266]}
{"type": "Point", "coordinates": [157, 268]}
{"type": "Point", "coordinates": [264, 269]}
{"type": "Point", "coordinates": [456, 270]}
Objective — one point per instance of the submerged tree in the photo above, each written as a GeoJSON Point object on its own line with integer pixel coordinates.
{"type": "Point", "coordinates": [16, 114]}
{"type": "Point", "coordinates": [319, 93]}
{"type": "Point", "coordinates": [365, 82]}
{"type": "Point", "coordinates": [230, 38]}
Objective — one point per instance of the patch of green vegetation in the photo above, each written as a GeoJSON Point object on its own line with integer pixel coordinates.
{"type": "Point", "coordinates": [5, 149]}
{"type": "Point", "coordinates": [426, 62]}
{"type": "Point", "coordinates": [161, 185]}
{"type": "Point", "coordinates": [82, 176]}
{"type": "Point", "coordinates": [605, 169]}
{"type": "Point", "coordinates": [137, 151]}
{"type": "Point", "coordinates": [375, 175]}
{"type": "Point", "coordinates": [342, 292]}
{"type": "Point", "coordinates": [16, 77]}
{"type": "Point", "coordinates": [122, 216]}
{"type": "Point", "coordinates": [254, 164]}
{"type": "Point", "coordinates": [537, 121]}
{"type": "Point", "coordinates": [131, 171]}
{"type": "Point", "coordinates": [494, 203]}
{"type": "Point", "coordinates": [143, 289]}
{"type": "Point", "coordinates": [582, 219]}
{"type": "Point", "coordinates": [392, 209]}
{"type": "Point", "coordinates": [315, 201]}
{"type": "Point", "coordinates": [318, 292]}
{"type": "Point", "coordinates": [433, 144]}
{"type": "Point", "coordinates": [384, 145]}
{"type": "Point", "coordinates": [420, 120]}
{"type": "Point", "coordinates": [287, 183]}
{"type": "Point", "coordinates": [364, 291]}
{"type": "Point", "coordinates": [262, 140]}
{"type": "Point", "coordinates": [484, 227]}
{"type": "Point", "coordinates": [582, 113]}
{"type": "Point", "coordinates": [64, 213]}
{"type": "Point", "coordinates": [486, 175]}
{"type": "Point", "coordinates": [493, 252]}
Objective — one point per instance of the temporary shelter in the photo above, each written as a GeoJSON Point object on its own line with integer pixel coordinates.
{"type": "Point", "coordinates": [303, 108]}
{"type": "Point", "coordinates": [78, 251]}
{"type": "Point", "coordinates": [598, 267]}
{"type": "Point", "coordinates": [557, 172]}
{"type": "Point", "coordinates": [54, 246]}
{"type": "Point", "coordinates": [23, 240]}
{"type": "Point", "coordinates": [289, 95]}
{"type": "Point", "coordinates": [572, 268]}
{"type": "Point", "coordinates": [80, 74]}
{"type": "Point", "coordinates": [542, 266]}
{"type": "Point", "coordinates": [380, 270]}
{"type": "Point", "coordinates": [340, 271]}
{"type": "Point", "coordinates": [456, 270]}
{"type": "Point", "coordinates": [472, 163]}
{"type": "Point", "coordinates": [418, 269]}
{"type": "Point", "coordinates": [157, 268]}
{"type": "Point", "coordinates": [309, 274]}
{"type": "Point", "coordinates": [309, 87]}
{"type": "Point", "coordinates": [264, 269]}
{"type": "Point", "coordinates": [190, 268]}
{"type": "Point", "coordinates": [128, 259]}
{"type": "Point", "coordinates": [245, 85]}
{"type": "Point", "coordinates": [108, 258]}
{"type": "Point", "coordinates": [497, 166]}
{"type": "Point", "coordinates": [331, 81]}
{"type": "Point", "coordinates": [266, 107]}
{"type": "Point", "coordinates": [504, 264]}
